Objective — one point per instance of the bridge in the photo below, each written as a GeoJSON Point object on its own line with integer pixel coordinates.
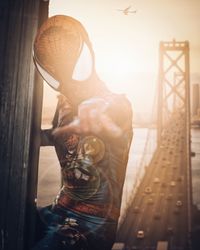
{"type": "Point", "coordinates": [160, 209]}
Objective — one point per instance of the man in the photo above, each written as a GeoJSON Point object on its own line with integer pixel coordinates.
{"type": "Point", "coordinates": [92, 132]}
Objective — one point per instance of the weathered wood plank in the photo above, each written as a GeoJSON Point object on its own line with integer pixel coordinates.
{"type": "Point", "coordinates": [18, 94]}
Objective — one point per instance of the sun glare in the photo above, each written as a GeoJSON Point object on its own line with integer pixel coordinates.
{"type": "Point", "coordinates": [124, 60]}
{"type": "Point", "coordinates": [121, 68]}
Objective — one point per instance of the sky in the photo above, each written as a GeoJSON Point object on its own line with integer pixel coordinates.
{"type": "Point", "coordinates": [126, 47]}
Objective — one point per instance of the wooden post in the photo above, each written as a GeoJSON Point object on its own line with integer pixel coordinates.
{"type": "Point", "coordinates": [20, 114]}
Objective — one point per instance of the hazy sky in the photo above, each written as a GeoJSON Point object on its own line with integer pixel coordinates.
{"type": "Point", "coordinates": [126, 47]}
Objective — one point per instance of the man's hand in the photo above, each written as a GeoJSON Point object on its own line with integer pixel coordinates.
{"type": "Point", "coordinates": [91, 119]}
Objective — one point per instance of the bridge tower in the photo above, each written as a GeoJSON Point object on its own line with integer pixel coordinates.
{"type": "Point", "coordinates": [173, 86]}
{"type": "Point", "coordinates": [174, 96]}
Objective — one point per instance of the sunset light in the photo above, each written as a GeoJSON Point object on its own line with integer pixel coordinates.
{"type": "Point", "coordinates": [100, 124]}
{"type": "Point", "coordinates": [126, 46]}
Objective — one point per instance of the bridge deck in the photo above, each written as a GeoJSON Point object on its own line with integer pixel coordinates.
{"type": "Point", "coordinates": [160, 206]}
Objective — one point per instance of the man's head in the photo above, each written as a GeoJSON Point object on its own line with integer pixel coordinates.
{"type": "Point", "coordinates": [64, 57]}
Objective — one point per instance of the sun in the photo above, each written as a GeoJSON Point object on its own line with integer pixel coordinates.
{"type": "Point", "coordinates": [120, 67]}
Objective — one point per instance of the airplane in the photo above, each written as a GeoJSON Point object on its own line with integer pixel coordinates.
{"type": "Point", "coordinates": [127, 10]}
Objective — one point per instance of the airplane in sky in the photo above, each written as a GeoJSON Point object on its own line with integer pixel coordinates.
{"type": "Point", "coordinates": [127, 10]}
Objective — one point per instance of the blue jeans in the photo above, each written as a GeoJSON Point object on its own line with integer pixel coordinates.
{"type": "Point", "coordinates": [88, 233]}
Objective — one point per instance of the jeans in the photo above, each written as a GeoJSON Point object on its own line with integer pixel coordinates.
{"type": "Point", "coordinates": [55, 232]}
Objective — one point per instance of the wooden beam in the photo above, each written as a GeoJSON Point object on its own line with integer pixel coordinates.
{"type": "Point", "coordinates": [18, 25]}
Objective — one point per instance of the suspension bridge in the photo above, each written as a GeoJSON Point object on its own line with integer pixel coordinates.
{"type": "Point", "coordinates": [160, 209]}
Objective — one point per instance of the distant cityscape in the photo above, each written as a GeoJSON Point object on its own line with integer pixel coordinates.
{"type": "Point", "coordinates": [195, 104]}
